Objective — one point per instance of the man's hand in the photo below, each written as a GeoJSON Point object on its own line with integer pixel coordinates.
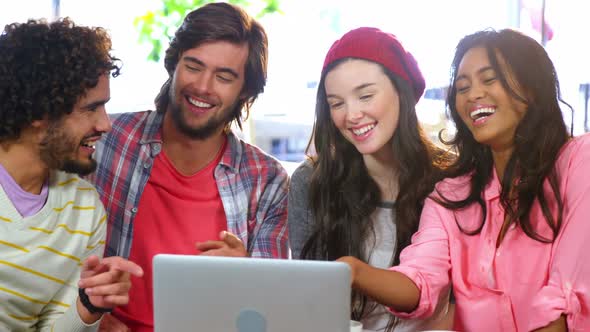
{"type": "Point", "coordinates": [106, 283]}
{"type": "Point", "coordinates": [112, 324]}
{"type": "Point", "coordinates": [228, 245]}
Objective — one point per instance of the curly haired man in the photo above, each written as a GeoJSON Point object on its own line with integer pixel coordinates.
{"type": "Point", "coordinates": [54, 84]}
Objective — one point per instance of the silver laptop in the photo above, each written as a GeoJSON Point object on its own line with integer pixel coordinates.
{"type": "Point", "coordinates": [221, 294]}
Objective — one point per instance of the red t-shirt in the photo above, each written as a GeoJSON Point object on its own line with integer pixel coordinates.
{"type": "Point", "coordinates": [175, 211]}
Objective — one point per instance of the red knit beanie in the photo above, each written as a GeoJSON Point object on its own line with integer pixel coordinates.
{"type": "Point", "coordinates": [384, 48]}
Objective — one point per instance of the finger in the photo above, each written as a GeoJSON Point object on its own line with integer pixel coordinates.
{"type": "Point", "coordinates": [215, 252]}
{"type": "Point", "coordinates": [111, 301]}
{"type": "Point", "coordinates": [120, 288]}
{"type": "Point", "coordinates": [122, 264]}
{"type": "Point", "coordinates": [93, 269]}
{"type": "Point", "coordinates": [226, 251]}
{"type": "Point", "coordinates": [210, 245]}
{"type": "Point", "coordinates": [90, 263]}
{"type": "Point", "coordinates": [231, 240]}
{"type": "Point", "coordinates": [105, 278]}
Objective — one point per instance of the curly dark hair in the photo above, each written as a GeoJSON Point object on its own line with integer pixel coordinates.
{"type": "Point", "coordinates": [45, 68]}
{"type": "Point", "coordinates": [221, 22]}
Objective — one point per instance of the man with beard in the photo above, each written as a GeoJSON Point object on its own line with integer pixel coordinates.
{"type": "Point", "coordinates": [178, 180]}
{"type": "Point", "coordinates": [53, 89]}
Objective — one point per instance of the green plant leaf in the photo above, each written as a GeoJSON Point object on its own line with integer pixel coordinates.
{"type": "Point", "coordinates": [157, 27]}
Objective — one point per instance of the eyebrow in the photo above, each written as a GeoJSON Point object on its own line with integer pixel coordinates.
{"type": "Point", "coordinates": [96, 104]}
{"type": "Point", "coordinates": [480, 71]}
{"type": "Point", "coordinates": [358, 88]}
{"type": "Point", "coordinates": [218, 70]}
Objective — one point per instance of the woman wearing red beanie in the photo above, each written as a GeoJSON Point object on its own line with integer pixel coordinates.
{"type": "Point", "coordinates": [508, 228]}
{"type": "Point", "coordinates": [362, 194]}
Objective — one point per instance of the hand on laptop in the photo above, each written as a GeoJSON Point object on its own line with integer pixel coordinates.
{"type": "Point", "coordinates": [106, 282]}
{"type": "Point", "coordinates": [112, 324]}
{"type": "Point", "coordinates": [228, 245]}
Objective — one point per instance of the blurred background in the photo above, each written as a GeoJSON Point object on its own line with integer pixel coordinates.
{"type": "Point", "coordinates": [301, 32]}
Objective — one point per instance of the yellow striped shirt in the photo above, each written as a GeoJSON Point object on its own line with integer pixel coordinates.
{"type": "Point", "coordinates": [41, 256]}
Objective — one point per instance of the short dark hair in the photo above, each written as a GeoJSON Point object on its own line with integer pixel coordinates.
{"type": "Point", "coordinates": [221, 22]}
{"type": "Point", "coordinates": [45, 68]}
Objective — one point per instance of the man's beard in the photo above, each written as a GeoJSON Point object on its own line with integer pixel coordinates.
{"type": "Point", "coordinates": [220, 119]}
{"type": "Point", "coordinates": [58, 148]}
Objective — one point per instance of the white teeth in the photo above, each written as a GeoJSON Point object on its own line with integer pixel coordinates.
{"type": "Point", "coordinates": [363, 130]}
{"type": "Point", "coordinates": [199, 103]}
{"type": "Point", "coordinates": [485, 110]}
{"type": "Point", "coordinates": [89, 144]}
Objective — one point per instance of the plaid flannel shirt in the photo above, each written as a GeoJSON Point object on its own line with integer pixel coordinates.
{"type": "Point", "coordinates": [252, 185]}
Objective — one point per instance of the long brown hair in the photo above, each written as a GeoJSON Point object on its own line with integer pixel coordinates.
{"type": "Point", "coordinates": [221, 22]}
{"type": "Point", "coordinates": [532, 161]}
{"type": "Point", "coordinates": [343, 195]}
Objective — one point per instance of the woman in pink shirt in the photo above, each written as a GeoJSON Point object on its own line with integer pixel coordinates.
{"type": "Point", "coordinates": [508, 227]}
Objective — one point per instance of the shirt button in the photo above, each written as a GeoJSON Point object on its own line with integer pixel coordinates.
{"type": "Point", "coordinates": [156, 148]}
{"type": "Point", "coordinates": [146, 165]}
{"type": "Point", "coordinates": [134, 210]}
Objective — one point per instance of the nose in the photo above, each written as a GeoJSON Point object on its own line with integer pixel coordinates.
{"type": "Point", "coordinates": [354, 114]}
{"type": "Point", "coordinates": [476, 92]}
{"type": "Point", "coordinates": [204, 82]}
{"type": "Point", "coordinates": [103, 122]}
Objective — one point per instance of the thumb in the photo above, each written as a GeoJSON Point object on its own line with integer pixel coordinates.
{"type": "Point", "coordinates": [231, 240]}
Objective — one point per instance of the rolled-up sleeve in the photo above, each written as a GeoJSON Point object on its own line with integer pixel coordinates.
{"type": "Point", "coordinates": [427, 260]}
{"type": "Point", "coordinates": [568, 289]}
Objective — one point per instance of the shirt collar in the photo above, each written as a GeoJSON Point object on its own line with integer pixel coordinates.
{"type": "Point", "coordinates": [493, 188]}
{"type": "Point", "coordinates": [153, 128]}
{"type": "Point", "coordinates": [232, 157]}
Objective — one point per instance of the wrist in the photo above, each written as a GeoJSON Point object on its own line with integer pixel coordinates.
{"type": "Point", "coordinates": [355, 267]}
{"type": "Point", "coordinates": [87, 310]}
{"type": "Point", "coordinates": [86, 316]}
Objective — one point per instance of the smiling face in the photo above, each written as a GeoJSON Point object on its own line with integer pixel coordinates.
{"type": "Point", "coordinates": [206, 85]}
{"type": "Point", "coordinates": [364, 105]}
{"type": "Point", "coordinates": [69, 142]}
{"type": "Point", "coordinates": [490, 112]}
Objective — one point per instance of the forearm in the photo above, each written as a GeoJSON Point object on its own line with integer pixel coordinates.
{"type": "Point", "coordinates": [71, 321]}
{"type": "Point", "coordinates": [560, 325]}
{"type": "Point", "coordinates": [390, 288]}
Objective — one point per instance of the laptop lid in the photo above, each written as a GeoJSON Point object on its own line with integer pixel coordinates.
{"type": "Point", "coordinates": [222, 294]}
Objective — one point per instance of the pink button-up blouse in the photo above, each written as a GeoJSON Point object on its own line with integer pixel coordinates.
{"type": "Point", "coordinates": [523, 284]}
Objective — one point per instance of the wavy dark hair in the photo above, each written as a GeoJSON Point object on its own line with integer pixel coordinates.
{"type": "Point", "coordinates": [221, 22]}
{"type": "Point", "coordinates": [538, 139]}
{"type": "Point", "coordinates": [343, 195]}
{"type": "Point", "coordinates": [45, 68]}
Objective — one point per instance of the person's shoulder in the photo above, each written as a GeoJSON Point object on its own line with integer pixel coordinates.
{"type": "Point", "coordinates": [574, 146]}
{"type": "Point", "coordinates": [131, 126]}
{"type": "Point", "coordinates": [574, 153]}
{"type": "Point", "coordinates": [303, 172]}
{"type": "Point", "coordinates": [73, 186]}
{"type": "Point", "coordinates": [130, 118]}
{"type": "Point", "coordinates": [252, 155]}
{"type": "Point", "coordinates": [453, 188]}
